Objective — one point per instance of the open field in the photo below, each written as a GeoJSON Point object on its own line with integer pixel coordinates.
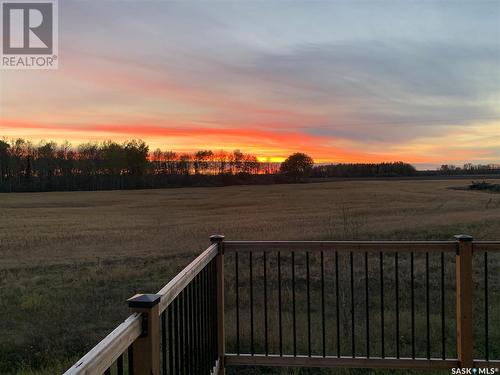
{"type": "Point", "coordinates": [69, 260]}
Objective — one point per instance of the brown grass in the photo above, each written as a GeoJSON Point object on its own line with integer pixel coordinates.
{"type": "Point", "coordinates": [54, 228]}
{"type": "Point", "coordinates": [69, 260]}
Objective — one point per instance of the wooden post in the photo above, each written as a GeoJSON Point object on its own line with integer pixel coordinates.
{"type": "Point", "coordinates": [464, 300]}
{"type": "Point", "coordinates": [146, 349]}
{"type": "Point", "coordinates": [221, 350]}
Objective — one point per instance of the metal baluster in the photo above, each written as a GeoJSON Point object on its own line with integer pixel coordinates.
{"type": "Point", "coordinates": [486, 307]}
{"type": "Point", "coordinates": [199, 333]}
{"type": "Point", "coordinates": [367, 308]}
{"type": "Point", "coordinates": [170, 341]}
{"type": "Point", "coordinates": [382, 321]}
{"type": "Point", "coordinates": [237, 290]}
{"type": "Point", "coordinates": [130, 359]}
{"type": "Point", "coordinates": [182, 334]}
{"type": "Point", "coordinates": [427, 305]}
{"type": "Point", "coordinates": [119, 365]}
{"type": "Point", "coordinates": [203, 314]}
{"type": "Point", "coordinates": [353, 327]}
{"type": "Point", "coordinates": [215, 303]}
{"type": "Point", "coordinates": [212, 345]}
{"type": "Point", "coordinates": [164, 341]}
{"type": "Point", "coordinates": [280, 317]}
{"type": "Point", "coordinates": [192, 350]}
{"type": "Point", "coordinates": [203, 325]}
{"type": "Point", "coordinates": [187, 354]}
{"type": "Point", "coordinates": [266, 344]}
{"type": "Point", "coordinates": [323, 328]}
{"type": "Point", "coordinates": [443, 322]}
{"type": "Point", "coordinates": [252, 348]}
{"type": "Point", "coordinates": [176, 335]}
{"type": "Point", "coordinates": [293, 307]}
{"type": "Point", "coordinates": [412, 287]}
{"type": "Point", "coordinates": [308, 282]}
{"type": "Point", "coordinates": [396, 271]}
{"type": "Point", "coordinates": [206, 347]}
{"type": "Point", "coordinates": [337, 307]}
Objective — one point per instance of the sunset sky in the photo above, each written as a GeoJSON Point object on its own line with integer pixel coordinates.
{"type": "Point", "coordinates": [344, 81]}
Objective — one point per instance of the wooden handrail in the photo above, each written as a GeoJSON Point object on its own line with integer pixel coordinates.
{"type": "Point", "coordinates": [179, 282]}
{"type": "Point", "coordinates": [400, 246]}
{"type": "Point", "coordinates": [104, 354]}
{"type": "Point", "coordinates": [492, 246]}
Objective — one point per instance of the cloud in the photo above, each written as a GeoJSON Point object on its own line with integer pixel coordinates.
{"type": "Point", "coordinates": [377, 88]}
{"type": "Point", "coordinates": [346, 79]}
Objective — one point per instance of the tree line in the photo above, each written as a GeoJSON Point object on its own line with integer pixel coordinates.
{"type": "Point", "coordinates": [395, 169]}
{"type": "Point", "coordinates": [49, 166]}
{"type": "Point", "coordinates": [469, 169]}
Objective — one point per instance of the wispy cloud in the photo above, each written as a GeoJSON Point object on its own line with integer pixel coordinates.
{"type": "Point", "coordinates": [344, 81]}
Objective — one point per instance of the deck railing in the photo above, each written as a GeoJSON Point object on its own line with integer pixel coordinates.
{"type": "Point", "coordinates": [389, 304]}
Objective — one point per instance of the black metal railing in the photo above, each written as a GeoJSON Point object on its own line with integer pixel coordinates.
{"type": "Point", "coordinates": [359, 304]}
{"type": "Point", "coordinates": [342, 313]}
{"type": "Point", "coordinates": [189, 326]}
{"type": "Point", "coordinates": [486, 268]}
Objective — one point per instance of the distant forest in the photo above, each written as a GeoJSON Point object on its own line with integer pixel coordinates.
{"type": "Point", "coordinates": [48, 166]}
{"type": "Point", "coordinates": [396, 169]}
{"type": "Point", "coordinates": [130, 165]}
{"type": "Point", "coordinates": [469, 169]}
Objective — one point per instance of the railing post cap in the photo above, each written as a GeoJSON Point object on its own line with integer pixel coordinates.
{"type": "Point", "coordinates": [463, 237]}
{"type": "Point", "coordinates": [217, 238]}
{"type": "Point", "coordinates": [144, 300]}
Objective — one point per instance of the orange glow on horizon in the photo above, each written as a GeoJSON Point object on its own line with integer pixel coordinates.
{"type": "Point", "coordinates": [268, 145]}
{"type": "Point", "coordinates": [272, 145]}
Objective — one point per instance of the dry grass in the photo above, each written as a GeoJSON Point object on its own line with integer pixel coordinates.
{"type": "Point", "coordinates": [53, 228]}
{"type": "Point", "coordinates": [68, 260]}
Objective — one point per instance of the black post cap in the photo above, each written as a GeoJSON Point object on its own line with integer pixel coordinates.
{"type": "Point", "coordinates": [463, 237]}
{"type": "Point", "coordinates": [144, 300]}
{"type": "Point", "coordinates": [217, 238]}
